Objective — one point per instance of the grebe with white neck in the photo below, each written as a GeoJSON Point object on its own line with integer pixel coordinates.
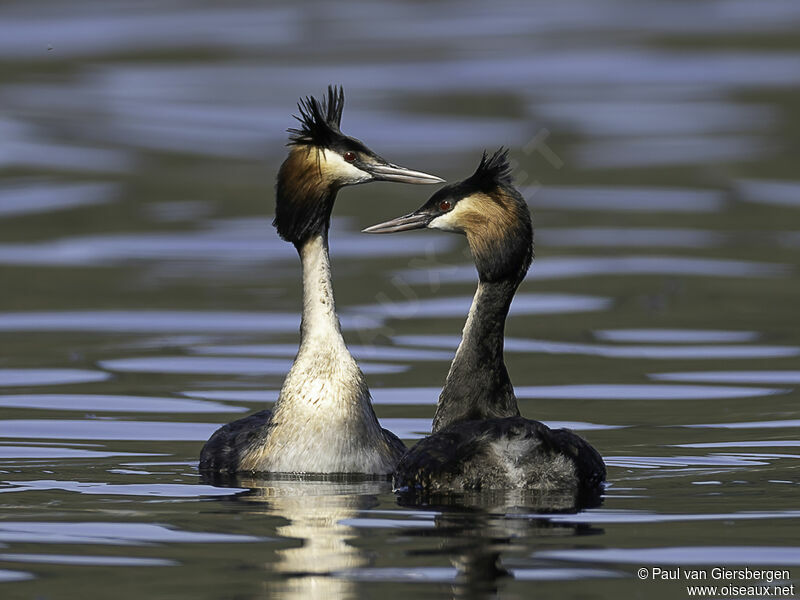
{"type": "Point", "coordinates": [323, 421]}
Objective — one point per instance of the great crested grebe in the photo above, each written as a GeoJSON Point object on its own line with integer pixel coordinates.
{"type": "Point", "coordinates": [479, 439]}
{"type": "Point", "coordinates": [323, 421]}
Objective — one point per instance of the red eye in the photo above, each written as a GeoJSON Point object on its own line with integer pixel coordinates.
{"type": "Point", "coordinates": [349, 156]}
{"type": "Point", "coordinates": [445, 205]}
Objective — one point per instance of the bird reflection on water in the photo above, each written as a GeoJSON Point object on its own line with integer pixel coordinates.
{"type": "Point", "coordinates": [473, 531]}
{"type": "Point", "coordinates": [477, 528]}
{"type": "Point", "coordinates": [315, 508]}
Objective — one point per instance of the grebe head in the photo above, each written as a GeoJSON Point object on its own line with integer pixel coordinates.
{"type": "Point", "coordinates": [321, 161]}
{"type": "Point", "coordinates": [488, 210]}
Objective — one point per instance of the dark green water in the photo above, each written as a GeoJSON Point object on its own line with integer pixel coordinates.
{"type": "Point", "coordinates": [146, 299]}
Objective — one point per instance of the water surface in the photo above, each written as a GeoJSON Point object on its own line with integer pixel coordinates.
{"type": "Point", "coordinates": [147, 298]}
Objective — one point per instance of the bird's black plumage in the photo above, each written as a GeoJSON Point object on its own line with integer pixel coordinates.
{"type": "Point", "coordinates": [511, 452]}
{"type": "Point", "coordinates": [220, 453]}
{"type": "Point", "coordinates": [319, 119]}
{"type": "Point", "coordinates": [492, 171]}
{"type": "Point", "coordinates": [479, 441]}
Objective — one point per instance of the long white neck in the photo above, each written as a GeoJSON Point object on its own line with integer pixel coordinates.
{"type": "Point", "coordinates": [320, 323]}
{"type": "Point", "coordinates": [323, 421]}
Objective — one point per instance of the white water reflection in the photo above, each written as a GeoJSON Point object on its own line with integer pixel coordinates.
{"type": "Point", "coordinates": [6, 575]}
{"type": "Point", "coordinates": [32, 197]}
{"type": "Point", "coordinates": [744, 444]}
{"type": "Point", "coordinates": [451, 574]}
{"type": "Point", "coordinates": [620, 516]}
{"type": "Point", "coordinates": [158, 321]}
{"type": "Point", "coordinates": [65, 429]}
{"type": "Point", "coordinates": [779, 193]}
{"type": "Point", "coordinates": [679, 200]}
{"type": "Point", "coordinates": [250, 27]}
{"type": "Point", "coordinates": [683, 555]}
{"type": "Point", "coordinates": [778, 424]}
{"type": "Point", "coordinates": [554, 574]}
{"type": "Point", "coordinates": [167, 490]}
{"type": "Point", "coordinates": [108, 403]}
{"type": "Point", "coordinates": [94, 532]}
{"type": "Point", "coordinates": [314, 514]}
{"type": "Point", "coordinates": [49, 452]}
{"type": "Point", "coordinates": [695, 352]}
{"type": "Point", "coordinates": [86, 34]}
{"type": "Point", "coordinates": [237, 240]}
{"type": "Point", "coordinates": [217, 131]}
{"type": "Point", "coordinates": [568, 267]}
{"type": "Point", "coordinates": [675, 336]}
{"type": "Point", "coordinates": [87, 560]}
{"type": "Point", "coordinates": [360, 352]}
{"type": "Point", "coordinates": [628, 237]}
{"type": "Point", "coordinates": [105, 429]}
{"type": "Point", "coordinates": [457, 306]}
{"type": "Point", "coordinates": [641, 392]}
{"type": "Point", "coordinates": [414, 429]}
{"type": "Point", "coordinates": [771, 377]}
{"type": "Point", "coordinates": [430, 395]}
{"type": "Point", "coordinates": [670, 151]}
{"type": "Point", "coordinates": [26, 147]}
{"type": "Point", "coordinates": [263, 396]}
{"type": "Point", "coordinates": [655, 462]}
{"type": "Point", "coordinates": [35, 377]}
{"type": "Point", "coordinates": [221, 365]}
{"type": "Point", "coordinates": [655, 118]}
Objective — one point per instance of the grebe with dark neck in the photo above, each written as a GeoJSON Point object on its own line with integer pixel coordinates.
{"type": "Point", "coordinates": [323, 421]}
{"type": "Point", "coordinates": [479, 439]}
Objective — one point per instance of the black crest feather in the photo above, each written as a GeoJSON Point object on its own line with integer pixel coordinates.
{"type": "Point", "coordinates": [319, 119]}
{"type": "Point", "coordinates": [493, 171]}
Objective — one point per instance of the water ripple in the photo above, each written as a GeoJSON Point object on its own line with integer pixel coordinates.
{"type": "Point", "coordinates": [33, 377]}
{"type": "Point", "coordinates": [87, 560]}
{"type": "Point", "coordinates": [237, 242]}
{"type": "Point", "coordinates": [625, 199]}
{"type": "Point", "coordinates": [696, 352]}
{"type": "Point", "coordinates": [159, 321]}
{"type": "Point", "coordinates": [44, 197]}
{"type": "Point", "coordinates": [652, 462]}
{"type": "Point", "coordinates": [749, 424]}
{"type": "Point", "coordinates": [358, 351]}
{"type": "Point", "coordinates": [107, 403]}
{"type": "Point", "coordinates": [168, 490]}
{"type": "Point", "coordinates": [221, 365]}
{"type": "Point", "coordinates": [568, 267]}
{"type": "Point", "coordinates": [6, 575]}
{"type": "Point", "coordinates": [675, 336]}
{"type": "Point", "coordinates": [642, 516]}
{"type": "Point", "coordinates": [744, 444]}
{"type": "Point", "coordinates": [773, 377]}
{"type": "Point", "coordinates": [628, 237]}
{"type": "Point", "coordinates": [457, 306]}
{"type": "Point", "coordinates": [780, 193]}
{"type": "Point", "coordinates": [34, 452]}
{"type": "Point", "coordinates": [683, 555]}
{"type": "Point", "coordinates": [92, 532]}
{"type": "Point", "coordinates": [641, 392]}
